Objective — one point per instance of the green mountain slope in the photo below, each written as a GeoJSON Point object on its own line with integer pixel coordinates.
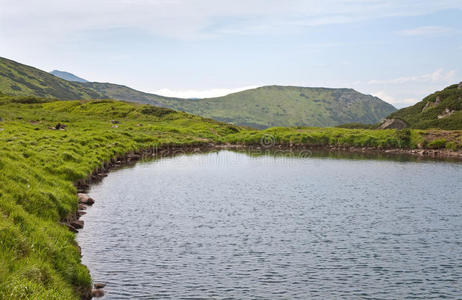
{"type": "Point", "coordinates": [261, 107]}
{"type": "Point", "coordinates": [270, 106]}
{"type": "Point", "coordinates": [67, 76]}
{"type": "Point", "coordinates": [21, 80]}
{"type": "Point", "coordinates": [121, 92]}
{"type": "Point", "coordinates": [442, 109]}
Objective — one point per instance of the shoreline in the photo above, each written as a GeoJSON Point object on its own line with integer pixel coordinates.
{"type": "Point", "coordinates": [74, 223]}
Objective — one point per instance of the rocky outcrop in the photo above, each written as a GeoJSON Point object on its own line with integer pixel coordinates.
{"type": "Point", "coordinates": [393, 124]}
{"type": "Point", "coordinates": [431, 104]}
{"type": "Point", "coordinates": [438, 100]}
{"type": "Point", "coordinates": [459, 87]}
{"type": "Point", "coordinates": [427, 106]}
{"type": "Point", "coordinates": [446, 113]}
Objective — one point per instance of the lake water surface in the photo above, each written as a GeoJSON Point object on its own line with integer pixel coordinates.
{"type": "Point", "coordinates": [231, 226]}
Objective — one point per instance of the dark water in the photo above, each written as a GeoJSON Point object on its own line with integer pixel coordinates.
{"type": "Point", "coordinates": [230, 226]}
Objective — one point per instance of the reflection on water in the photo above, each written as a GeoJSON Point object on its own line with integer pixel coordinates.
{"type": "Point", "coordinates": [228, 225]}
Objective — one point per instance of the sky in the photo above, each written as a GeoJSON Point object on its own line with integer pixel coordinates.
{"type": "Point", "coordinates": [398, 50]}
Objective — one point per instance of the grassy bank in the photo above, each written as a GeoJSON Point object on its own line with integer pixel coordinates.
{"type": "Point", "coordinates": [39, 258]}
{"type": "Point", "coordinates": [341, 137]}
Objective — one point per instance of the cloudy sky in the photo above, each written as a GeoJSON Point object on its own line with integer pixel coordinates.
{"type": "Point", "coordinates": [398, 50]}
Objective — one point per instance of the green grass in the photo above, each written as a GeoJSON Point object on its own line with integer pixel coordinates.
{"type": "Point", "coordinates": [39, 258]}
{"type": "Point", "coordinates": [338, 137]}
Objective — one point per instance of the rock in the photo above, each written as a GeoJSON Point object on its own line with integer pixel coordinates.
{"type": "Point", "coordinates": [99, 285]}
{"type": "Point", "coordinates": [446, 113]}
{"type": "Point", "coordinates": [71, 228]}
{"type": "Point", "coordinates": [82, 207]}
{"type": "Point", "coordinates": [428, 105]}
{"type": "Point", "coordinates": [459, 87]}
{"type": "Point", "coordinates": [85, 199]}
{"type": "Point", "coordinates": [393, 124]}
{"type": "Point", "coordinates": [78, 224]}
{"type": "Point", "coordinates": [438, 100]}
{"type": "Point", "coordinates": [81, 213]}
{"type": "Point", "coordinates": [431, 104]}
{"type": "Point", "coordinates": [139, 125]}
{"type": "Point", "coordinates": [115, 126]}
{"type": "Point", "coordinates": [60, 126]}
{"type": "Point", "coordinates": [133, 156]}
{"type": "Point", "coordinates": [97, 293]}
{"type": "Point", "coordinates": [115, 122]}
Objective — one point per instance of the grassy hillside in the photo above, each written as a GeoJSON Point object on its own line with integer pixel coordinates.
{"type": "Point", "coordinates": [261, 108]}
{"type": "Point", "coordinates": [268, 106]}
{"type": "Point", "coordinates": [124, 93]}
{"type": "Point", "coordinates": [22, 80]}
{"type": "Point", "coordinates": [442, 109]}
{"type": "Point", "coordinates": [39, 258]}
{"type": "Point", "coordinates": [292, 106]}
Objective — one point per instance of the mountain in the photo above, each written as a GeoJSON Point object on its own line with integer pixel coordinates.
{"type": "Point", "coordinates": [442, 109]}
{"type": "Point", "coordinates": [121, 92]}
{"type": "Point", "coordinates": [261, 107]}
{"type": "Point", "coordinates": [67, 76]}
{"type": "Point", "coordinates": [22, 80]}
{"type": "Point", "coordinates": [270, 106]}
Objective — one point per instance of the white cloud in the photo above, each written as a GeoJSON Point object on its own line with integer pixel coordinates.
{"type": "Point", "coordinates": [210, 93]}
{"type": "Point", "coordinates": [437, 76]}
{"type": "Point", "coordinates": [425, 31]}
{"type": "Point", "coordinates": [408, 90]}
{"type": "Point", "coordinates": [193, 19]}
{"type": "Point", "coordinates": [394, 101]}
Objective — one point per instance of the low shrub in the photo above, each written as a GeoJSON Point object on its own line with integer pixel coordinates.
{"type": "Point", "coordinates": [437, 144]}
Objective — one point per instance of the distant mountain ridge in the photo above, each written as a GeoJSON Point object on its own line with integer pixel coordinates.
{"type": "Point", "coordinates": [67, 76]}
{"type": "Point", "coordinates": [270, 106]}
{"type": "Point", "coordinates": [262, 107]}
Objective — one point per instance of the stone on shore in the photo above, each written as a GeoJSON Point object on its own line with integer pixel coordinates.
{"type": "Point", "coordinates": [97, 293]}
{"type": "Point", "coordinates": [85, 199]}
{"type": "Point", "coordinates": [99, 285]}
{"type": "Point", "coordinates": [72, 228]}
{"type": "Point", "coordinates": [78, 224]}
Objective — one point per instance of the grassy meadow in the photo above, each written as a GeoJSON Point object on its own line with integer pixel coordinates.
{"type": "Point", "coordinates": [39, 258]}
